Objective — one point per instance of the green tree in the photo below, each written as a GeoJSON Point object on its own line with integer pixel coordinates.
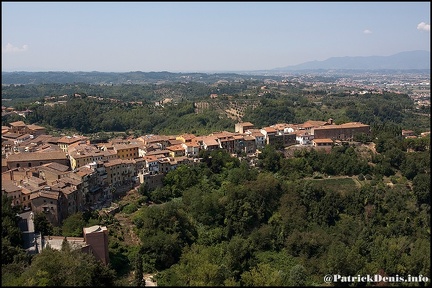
{"type": "Point", "coordinates": [73, 225]}
{"type": "Point", "coordinates": [42, 224]}
{"type": "Point", "coordinates": [263, 275]}
{"type": "Point", "coordinates": [297, 275]}
{"type": "Point", "coordinates": [421, 188]}
{"type": "Point", "coordinates": [165, 230]}
{"type": "Point", "coordinates": [66, 268]}
{"type": "Point", "coordinates": [139, 281]}
{"type": "Point", "coordinates": [270, 159]}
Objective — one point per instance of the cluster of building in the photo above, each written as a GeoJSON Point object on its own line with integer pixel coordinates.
{"type": "Point", "coordinates": [60, 176]}
{"type": "Point", "coordinates": [94, 240]}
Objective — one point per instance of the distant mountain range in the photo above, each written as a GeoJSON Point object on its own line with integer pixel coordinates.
{"type": "Point", "coordinates": [408, 60]}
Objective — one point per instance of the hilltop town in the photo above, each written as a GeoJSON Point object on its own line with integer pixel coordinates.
{"type": "Point", "coordinates": [60, 176]}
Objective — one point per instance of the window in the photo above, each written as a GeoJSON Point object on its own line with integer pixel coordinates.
{"type": "Point", "coordinates": [29, 164]}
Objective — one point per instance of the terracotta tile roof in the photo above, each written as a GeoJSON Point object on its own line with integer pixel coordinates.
{"type": "Point", "coordinates": [222, 134]}
{"type": "Point", "coordinates": [249, 138]}
{"type": "Point", "coordinates": [346, 126]}
{"type": "Point", "coordinates": [187, 137]}
{"type": "Point", "coordinates": [313, 123]}
{"type": "Point", "coordinates": [155, 138]}
{"type": "Point", "coordinates": [69, 180]}
{"type": "Point", "coordinates": [210, 141]}
{"type": "Point", "coordinates": [57, 166]}
{"type": "Point", "coordinates": [35, 181]}
{"type": "Point", "coordinates": [66, 190]}
{"type": "Point", "coordinates": [354, 124]}
{"type": "Point", "coordinates": [173, 142]}
{"type": "Point", "coordinates": [82, 171]}
{"type": "Point", "coordinates": [191, 144]}
{"type": "Point", "coordinates": [124, 146]}
{"type": "Point", "coordinates": [35, 127]}
{"type": "Point", "coordinates": [257, 134]}
{"type": "Point", "coordinates": [48, 148]}
{"type": "Point", "coordinates": [17, 124]}
{"type": "Point", "coordinates": [323, 140]}
{"type": "Point", "coordinates": [11, 135]}
{"type": "Point", "coordinates": [71, 139]}
{"type": "Point", "coordinates": [24, 136]}
{"type": "Point", "coordinates": [245, 124]}
{"type": "Point", "coordinates": [269, 129]}
{"type": "Point", "coordinates": [157, 152]}
{"type": "Point", "coordinates": [35, 156]}
{"type": "Point", "coordinates": [302, 133]}
{"type": "Point", "coordinates": [280, 126]}
{"type": "Point", "coordinates": [45, 139]}
{"type": "Point", "coordinates": [176, 148]}
{"type": "Point", "coordinates": [46, 194]}
{"type": "Point", "coordinates": [151, 158]}
{"type": "Point", "coordinates": [9, 186]}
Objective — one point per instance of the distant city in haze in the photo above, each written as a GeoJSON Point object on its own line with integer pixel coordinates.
{"type": "Point", "coordinates": [204, 36]}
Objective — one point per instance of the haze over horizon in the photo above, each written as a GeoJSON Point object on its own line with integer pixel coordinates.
{"type": "Point", "coordinates": [204, 36]}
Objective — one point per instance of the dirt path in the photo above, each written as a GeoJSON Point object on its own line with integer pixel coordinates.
{"type": "Point", "coordinates": [127, 227]}
{"type": "Point", "coordinates": [371, 146]}
{"type": "Point", "coordinates": [125, 221]}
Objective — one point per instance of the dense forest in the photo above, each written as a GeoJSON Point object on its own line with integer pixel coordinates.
{"type": "Point", "coordinates": [116, 108]}
{"type": "Point", "coordinates": [285, 222]}
{"type": "Point", "coordinates": [288, 221]}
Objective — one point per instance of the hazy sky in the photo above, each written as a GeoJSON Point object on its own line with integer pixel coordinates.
{"type": "Point", "coordinates": [204, 36]}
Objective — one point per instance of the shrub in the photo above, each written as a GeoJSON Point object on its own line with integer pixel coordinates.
{"type": "Point", "coordinates": [130, 208]}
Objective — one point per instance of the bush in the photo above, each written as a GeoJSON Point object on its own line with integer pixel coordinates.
{"type": "Point", "coordinates": [317, 175]}
{"type": "Point", "coordinates": [130, 208]}
{"type": "Point", "coordinates": [361, 177]}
